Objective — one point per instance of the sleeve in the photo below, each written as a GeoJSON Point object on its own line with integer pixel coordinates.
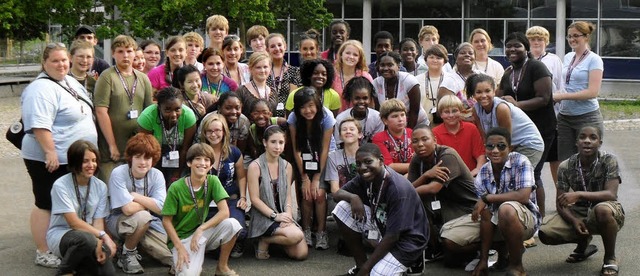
{"type": "Point", "coordinates": [155, 76]}
{"type": "Point", "coordinates": [39, 106]}
{"type": "Point", "coordinates": [328, 121]}
{"type": "Point", "coordinates": [379, 140]}
{"type": "Point", "coordinates": [244, 127]}
{"type": "Point", "coordinates": [478, 182]}
{"type": "Point", "coordinates": [118, 191]}
{"type": "Point", "coordinates": [292, 119]}
{"type": "Point", "coordinates": [334, 99]}
{"type": "Point", "coordinates": [170, 207]}
{"type": "Point", "coordinates": [188, 116]}
{"type": "Point", "coordinates": [399, 202]}
{"type": "Point", "coordinates": [596, 63]}
{"type": "Point", "coordinates": [540, 71]}
{"type": "Point", "coordinates": [367, 76]}
{"type": "Point", "coordinates": [414, 169]}
{"type": "Point", "coordinates": [449, 83]}
{"type": "Point", "coordinates": [102, 91]}
{"type": "Point", "coordinates": [563, 176]}
{"type": "Point", "coordinates": [331, 172]}
{"type": "Point", "coordinates": [157, 187]}
{"type": "Point", "coordinates": [233, 86]}
{"type": "Point", "coordinates": [294, 76]}
{"type": "Point", "coordinates": [61, 200]}
{"type": "Point", "coordinates": [148, 90]}
{"type": "Point", "coordinates": [289, 104]}
{"type": "Point", "coordinates": [147, 118]}
{"type": "Point", "coordinates": [450, 161]}
{"type": "Point", "coordinates": [102, 210]}
{"type": "Point", "coordinates": [524, 176]}
{"type": "Point", "coordinates": [379, 89]}
{"type": "Point", "coordinates": [613, 172]}
{"type": "Point", "coordinates": [216, 191]}
{"type": "Point", "coordinates": [477, 145]}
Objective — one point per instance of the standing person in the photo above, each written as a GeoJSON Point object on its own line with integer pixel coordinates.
{"type": "Point", "coordinates": [233, 51]}
{"type": "Point", "coordinates": [381, 205]}
{"type": "Point", "coordinates": [139, 61]}
{"type": "Point", "coordinates": [351, 63]}
{"type": "Point", "coordinates": [151, 50]}
{"type": "Point", "coordinates": [195, 45]}
{"type": "Point", "coordinates": [340, 32]}
{"type": "Point", "coordinates": [217, 30]}
{"type": "Point", "coordinates": [79, 208]}
{"type": "Point", "coordinates": [188, 80]}
{"type": "Point", "coordinates": [272, 220]}
{"type": "Point", "coordinates": [122, 93]}
{"type": "Point", "coordinates": [481, 42]}
{"type": "Point", "coordinates": [435, 57]}
{"type": "Point", "coordinates": [399, 85]}
{"type": "Point", "coordinates": [395, 142]}
{"type": "Point", "coordinates": [311, 128]}
{"type": "Point", "coordinates": [428, 37]}
{"type": "Point", "coordinates": [174, 126]}
{"type": "Point", "coordinates": [283, 78]}
{"type": "Point", "coordinates": [56, 111]}
{"type": "Point", "coordinates": [309, 46]}
{"type": "Point", "coordinates": [228, 167]}
{"type": "Point", "coordinates": [257, 88]}
{"type": "Point", "coordinates": [587, 202]}
{"type": "Point", "coordinates": [582, 72]}
{"type": "Point", "coordinates": [383, 42]}
{"type": "Point", "coordinates": [256, 36]}
{"type": "Point", "coordinates": [409, 51]}
{"type": "Point", "coordinates": [527, 85]}
{"type": "Point", "coordinates": [539, 39]}
{"type": "Point", "coordinates": [137, 193]}
{"type": "Point", "coordinates": [82, 55]}
{"type": "Point", "coordinates": [454, 84]}
{"type": "Point", "coordinates": [359, 94]}
{"type": "Point", "coordinates": [318, 74]}
{"type": "Point", "coordinates": [184, 216]}
{"type": "Point", "coordinates": [506, 206]}
{"type": "Point", "coordinates": [162, 76]}
{"type": "Point", "coordinates": [88, 33]}
{"type": "Point", "coordinates": [213, 79]}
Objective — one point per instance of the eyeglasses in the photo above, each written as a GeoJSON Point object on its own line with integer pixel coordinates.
{"type": "Point", "coordinates": [501, 146]}
{"type": "Point", "coordinates": [54, 45]}
{"type": "Point", "coordinates": [209, 132]}
{"type": "Point", "coordinates": [575, 36]}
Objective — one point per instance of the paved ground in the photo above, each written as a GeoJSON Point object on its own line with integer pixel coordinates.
{"type": "Point", "coordinates": [17, 249]}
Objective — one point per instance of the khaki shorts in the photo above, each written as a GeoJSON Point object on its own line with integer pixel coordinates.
{"type": "Point", "coordinates": [463, 231]}
{"type": "Point", "coordinates": [558, 231]}
{"type": "Point", "coordinates": [525, 216]}
{"type": "Point", "coordinates": [153, 242]}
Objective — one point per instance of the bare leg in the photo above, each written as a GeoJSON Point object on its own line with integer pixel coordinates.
{"type": "Point", "coordinates": [225, 251]}
{"type": "Point", "coordinates": [540, 198]}
{"type": "Point", "coordinates": [608, 230]}
{"type": "Point", "coordinates": [291, 238]}
{"type": "Point", "coordinates": [553, 167]}
{"type": "Point", "coordinates": [352, 240]}
{"type": "Point", "coordinates": [321, 210]}
{"type": "Point", "coordinates": [307, 213]}
{"type": "Point", "coordinates": [131, 241]}
{"type": "Point", "coordinates": [512, 230]}
{"type": "Point", "coordinates": [39, 225]}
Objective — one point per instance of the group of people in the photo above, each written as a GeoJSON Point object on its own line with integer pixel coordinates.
{"type": "Point", "coordinates": [426, 160]}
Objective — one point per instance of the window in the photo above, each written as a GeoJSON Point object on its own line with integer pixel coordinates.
{"type": "Point", "coordinates": [383, 9]}
{"type": "Point", "coordinates": [495, 28]}
{"type": "Point", "coordinates": [353, 9]}
{"type": "Point", "coordinates": [543, 8]}
{"type": "Point", "coordinates": [432, 8]}
{"type": "Point", "coordinates": [550, 25]}
{"type": "Point", "coordinates": [621, 9]}
{"type": "Point", "coordinates": [620, 38]}
{"type": "Point", "coordinates": [582, 8]}
{"type": "Point", "coordinates": [450, 32]}
{"type": "Point", "coordinates": [496, 9]}
{"type": "Point", "coordinates": [334, 7]}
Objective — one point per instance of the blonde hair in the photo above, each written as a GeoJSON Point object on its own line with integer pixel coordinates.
{"type": "Point", "coordinates": [217, 21]}
{"type": "Point", "coordinates": [390, 106]}
{"type": "Point", "coordinates": [274, 35]}
{"type": "Point", "coordinates": [584, 27]}
{"type": "Point", "coordinates": [449, 101]}
{"type": "Point", "coordinates": [538, 32]}
{"type": "Point", "coordinates": [80, 45]}
{"type": "Point", "coordinates": [428, 30]}
{"type": "Point", "coordinates": [482, 32]}
{"type": "Point", "coordinates": [257, 57]}
{"type": "Point", "coordinates": [350, 120]}
{"type": "Point", "coordinates": [124, 41]}
{"type": "Point", "coordinates": [226, 139]}
{"type": "Point", "coordinates": [194, 37]}
{"type": "Point", "coordinates": [362, 62]}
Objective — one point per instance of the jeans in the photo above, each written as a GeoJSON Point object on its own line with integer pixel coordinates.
{"type": "Point", "coordinates": [78, 250]}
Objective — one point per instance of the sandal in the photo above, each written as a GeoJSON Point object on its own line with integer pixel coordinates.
{"type": "Point", "coordinates": [262, 254]}
{"type": "Point", "coordinates": [609, 270]}
{"type": "Point", "coordinates": [577, 257]}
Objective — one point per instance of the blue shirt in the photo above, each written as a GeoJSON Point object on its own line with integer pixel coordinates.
{"type": "Point", "coordinates": [579, 80]}
{"type": "Point", "coordinates": [327, 123]}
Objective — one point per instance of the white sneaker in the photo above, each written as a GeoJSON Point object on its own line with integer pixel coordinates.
{"type": "Point", "coordinates": [129, 262]}
{"type": "Point", "coordinates": [47, 259]}
{"type": "Point", "coordinates": [322, 240]}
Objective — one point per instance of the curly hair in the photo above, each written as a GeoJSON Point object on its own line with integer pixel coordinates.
{"type": "Point", "coordinates": [309, 66]}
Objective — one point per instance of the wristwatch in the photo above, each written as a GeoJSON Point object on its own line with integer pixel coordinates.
{"type": "Point", "coordinates": [484, 198]}
{"type": "Point", "coordinates": [101, 234]}
{"type": "Point", "coordinates": [273, 215]}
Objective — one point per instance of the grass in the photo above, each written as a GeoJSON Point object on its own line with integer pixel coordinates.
{"type": "Point", "coordinates": [616, 110]}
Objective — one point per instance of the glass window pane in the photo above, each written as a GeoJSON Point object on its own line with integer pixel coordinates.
{"type": "Point", "coordinates": [621, 9]}
{"type": "Point", "coordinates": [334, 7]}
{"type": "Point", "coordinates": [353, 9]}
{"type": "Point", "coordinates": [620, 38]}
{"type": "Point", "coordinates": [410, 28]}
{"type": "Point", "coordinates": [543, 8]}
{"type": "Point", "coordinates": [384, 9]}
{"type": "Point", "coordinates": [392, 26]}
{"type": "Point", "coordinates": [497, 9]}
{"type": "Point", "coordinates": [432, 8]}
{"type": "Point", "coordinates": [550, 25]}
{"type": "Point", "coordinates": [495, 28]}
{"type": "Point", "coordinates": [582, 9]}
{"type": "Point", "coordinates": [450, 32]}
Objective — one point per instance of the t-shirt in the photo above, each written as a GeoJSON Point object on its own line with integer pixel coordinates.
{"type": "Point", "coordinates": [150, 121]}
{"type": "Point", "coordinates": [456, 83]}
{"type": "Point", "coordinates": [64, 200]}
{"type": "Point", "coordinates": [544, 117]}
{"type": "Point", "coordinates": [121, 184]}
{"type": "Point", "coordinates": [569, 177]}
{"type": "Point", "coordinates": [387, 144]}
{"type": "Point", "coordinates": [339, 83]}
{"type": "Point", "coordinates": [338, 170]}
{"type": "Point", "coordinates": [400, 212]}
{"type": "Point", "coordinates": [458, 196]}
{"type": "Point", "coordinates": [89, 83]}
{"type": "Point", "coordinates": [157, 77]}
{"type": "Point", "coordinates": [99, 65]}
{"type": "Point", "coordinates": [371, 125]}
{"type": "Point", "coordinates": [330, 99]}
{"type": "Point", "coordinates": [406, 82]}
{"type": "Point", "coordinates": [327, 123]}
{"type": "Point", "coordinates": [227, 172]}
{"type": "Point", "coordinates": [429, 92]}
{"type": "Point", "coordinates": [243, 71]}
{"type": "Point", "coordinates": [225, 85]}
{"type": "Point", "coordinates": [181, 206]}
{"type": "Point", "coordinates": [110, 93]}
{"type": "Point", "coordinates": [491, 68]}
{"type": "Point", "coordinates": [554, 64]}
{"type": "Point", "coordinates": [579, 80]}
{"type": "Point", "coordinates": [467, 142]}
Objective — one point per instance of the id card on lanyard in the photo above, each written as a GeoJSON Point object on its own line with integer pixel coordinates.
{"type": "Point", "coordinates": [171, 159]}
{"type": "Point", "coordinates": [131, 93]}
{"type": "Point", "coordinates": [310, 160]}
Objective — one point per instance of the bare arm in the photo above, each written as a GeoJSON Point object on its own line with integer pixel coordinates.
{"type": "Point", "coordinates": [241, 174]}
{"type": "Point", "coordinates": [503, 115]}
{"type": "Point", "coordinates": [414, 106]}
{"type": "Point", "coordinates": [45, 139]}
{"type": "Point", "coordinates": [104, 122]}
{"type": "Point", "coordinates": [521, 195]}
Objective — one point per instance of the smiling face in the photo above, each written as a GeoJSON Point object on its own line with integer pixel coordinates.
{"type": "Point", "coordinates": [409, 52]}
{"type": "Point", "coordinates": [277, 47]}
{"type": "Point", "coordinates": [177, 54]}
{"type": "Point", "coordinates": [515, 51]}
{"type": "Point", "coordinates": [576, 38]}
{"type": "Point", "coordinates": [124, 57]}
{"type": "Point", "coordinates": [260, 70]}
{"type": "Point", "coordinates": [349, 133]}
{"type": "Point", "coordinates": [423, 142]}
{"type": "Point", "coordinates": [89, 164]}
{"type": "Point", "coordinates": [192, 83]}
{"type": "Point", "coordinates": [308, 49]}
{"type": "Point", "coordinates": [200, 166]}
{"type": "Point", "coordinates": [466, 56]}
{"type": "Point", "coordinates": [339, 34]}
{"type": "Point", "coordinates": [151, 55]}
{"type": "Point", "coordinates": [435, 62]}
{"type": "Point", "coordinates": [383, 45]}
{"type": "Point", "coordinates": [450, 116]}
{"type": "Point", "coordinates": [231, 109]}
{"type": "Point", "coordinates": [350, 56]}
{"type": "Point", "coordinates": [214, 133]}
{"type": "Point", "coordinates": [82, 59]}
{"type": "Point", "coordinates": [360, 100]}
{"type": "Point", "coordinates": [369, 166]}
{"type": "Point", "coordinates": [428, 41]}
{"type": "Point", "coordinates": [497, 149]}
{"type": "Point", "coordinates": [138, 60]}
{"type": "Point", "coordinates": [480, 43]}
{"type": "Point", "coordinates": [57, 64]}
{"type": "Point", "coordinates": [388, 67]}
{"type": "Point", "coordinates": [217, 34]}
{"type": "Point", "coordinates": [319, 76]}
{"type": "Point", "coordinates": [233, 53]}
{"type": "Point", "coordinates": [308, 110]}
{"type": "Point", "coordinates": [538, 45]}
{"type": "Point", "coordinates": [261, 114]}
{"type": "Point", "coordinates": [588, 142]}
{"type": "Point", "coordinates": [214, 66]}
{"type": "Point", "coordinates": [171, 111]}
{"type": "Point", "coordinates": [258, 44]}
{"type": "Point", "coordinates": [484, 94]}
{"type": "Point", "coordinates": [140, 165]}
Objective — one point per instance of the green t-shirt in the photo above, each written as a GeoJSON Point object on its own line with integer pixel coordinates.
{"type": "Point", "coordinates": [150, 121]}
{"type": "Point", "coordinates": [331, 99]}
{"type": "Point", "coordinates": [179, 204]}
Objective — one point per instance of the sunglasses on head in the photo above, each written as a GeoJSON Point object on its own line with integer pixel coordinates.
{"type": "Point", "coordinates": [501, 146]}
{"type": "Point", "coordinates": [232, 37]}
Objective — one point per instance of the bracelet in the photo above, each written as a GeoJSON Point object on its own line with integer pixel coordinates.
{"type": "Point", "coordinates": [484, 198]}
{"type": "Point", "coordinates": [242, 197]}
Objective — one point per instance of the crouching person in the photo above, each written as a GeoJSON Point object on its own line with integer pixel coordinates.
{"type": "Point", "coordinates": [507, 206]}
{"type": "Point", "coordinates": [381, 206]}
{"type": "Point", "coordinates": [587, 203]}
{"type": "Point", "coordinates": [137, 191]}
{"type": "Point", "coordinates": [184, 213]}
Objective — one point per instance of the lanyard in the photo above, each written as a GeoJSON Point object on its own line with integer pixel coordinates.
{"type": "Point", "coordinates": [584, 182]}
{"type": "Point", "coordinates": [130, 92]}
{"type": "Point", "coordinates": [218, 89]}
{"type": "Point", "coordinates": [461, 76]}
{"type": "Point", "coordinates": [346, 162]}
{"type": "Point", "coordinates": [167, 133]}
{"type": "Point", "coordinates": [195, 200]}
{"type": "Point", "coordinates": [403, 156]}
{"type": "Point", "coordinates": [260, 96]}
{"type": "Point", "coordinates": [146, 183]}
{"type": "Point", "coordinates": [278, 82]}
{"type": "Point", "coordinates": [363, 121]}
{"type": "Point", "coordinates": [192, 104]}
{"type": "Point", "coordinates": [83, 206]}
{"type": "Point", "coordinates": [573, 66]}
{"type": "Point", "coordinates": [342, 78]}
{"type": "Point", "coordinates": [486, 67]}
{"type": "Point", "coordinates": [542, 56]}
{"type": "Point", "coordinates": [435, 162]}
{"type": "Point", "coordinates": [515, 84]}
{"type": "Point", "coordinates": [311, 151]}
{"type": "Point", "coordinates": [372, 197]}
{"type": "Point", "coordinates": [226, 71]}
{"type": "Point", "coordinates": [74, 94]}
{"type": "Point", "coordinates": [386, 94]}
{"type": "Point", "coordinates": [428, 81]}
{"type": "Point", "coordinates": [219, 167]}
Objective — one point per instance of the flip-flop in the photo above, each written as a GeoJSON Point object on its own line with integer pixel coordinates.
{"type": "Point", "coordinates": [612, 270]}
{"type": "Point", "coordinates": [577, 257]}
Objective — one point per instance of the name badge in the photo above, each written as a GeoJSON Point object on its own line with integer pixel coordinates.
{"type": "Point", "coordinates": [133, 114]}
{"type": "Point", "coordinates": [169, 163]}
{"type": "Point", "coordinates": [433, 110]}
{"type": "Point", "coordinates": [280, 106]}
{"type": "Point", "coordinates": [373, 235]}
{"type": "Point", "coordinates": [174, 155]}
{"type": "Point", "coordinates": [307, 156]}
{"type": "Point", "coordinates": [311, 166]}
{"type": "Point", "coordinates": [435, 205]}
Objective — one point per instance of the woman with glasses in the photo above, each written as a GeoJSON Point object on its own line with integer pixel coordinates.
{"type": "Point", "coordinates": [481, 42]}
{"type": "Point", "coordinates": [56, 111]}
{"type": "Point", "coordinates": [176, 51]}
{"type": "Point", "coordinates": [151, 51]}
{"type": "Point", "coordinates": [233, 51]}
{"type": "Point", "coordinates": [284, 78]}
{"type": "Point", "coordinates": [582, 73]}
{"type": "Point", "coordinates": [309, 45]}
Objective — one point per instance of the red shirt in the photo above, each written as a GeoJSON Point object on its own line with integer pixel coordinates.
{"type": "Point", "coordinates": [467, 142]}
{"type": "Point", "coordinates": [396, 150]}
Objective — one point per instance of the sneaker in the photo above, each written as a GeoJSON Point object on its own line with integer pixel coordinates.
{"type": "Point", "coordinates": [432, 255]}
{"type": "Point", "coordinates": [353, 271]}
{"type": "Point", "coordinates": [307, 237]}
{"type": "Point", "coordinates": [238, 250]}
{"type": "Point", "coordinates": [417, 269]}
{"type": "Point", "coordinates": [129, 262]}
{"type": "Point", "coordinates": [322, 240]}
{"type": "Point", "coordinates": [47, 259]}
